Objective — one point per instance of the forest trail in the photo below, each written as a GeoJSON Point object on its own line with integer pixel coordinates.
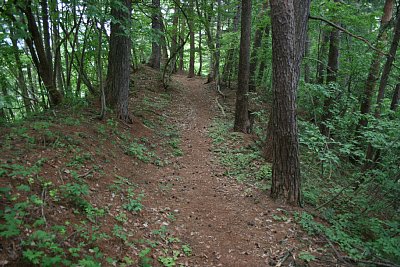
{"type": "Point", "coordinates": [224, 225]}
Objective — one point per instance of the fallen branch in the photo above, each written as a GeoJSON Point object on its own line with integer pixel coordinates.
{"type": "Point", "coordinates": [220, 106]}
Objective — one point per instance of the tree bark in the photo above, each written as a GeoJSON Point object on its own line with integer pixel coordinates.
{"type": "Point", "coordinates": [119, 61]}
{"type": "Point", "coordinates": [155, 58]}
{"type": "Point", "coordinates": [192, 45]}
{"type": "Point", "coordinates": [373, 73]}
{"type": "Point", "coordinates": [289, 24]}
{"type": "Point", "coordinates": [174, 42]}
{"type": "Point", "coordinates": [395, 98]}
{"type": "Point", "coordinates": [200, 55]}
{"type": "Point", "coordinates": [229, 61]}
{"type": "Point", "coordinates": [242, 122]}
{"type": "Point", "coordinates": [388, 67]}
{"type": "Point", "coordinates": [39, 56]}
{"type": "Point", "coordinates": [321, 56]}
{"type": "Point", "coordinates": [254, 53]}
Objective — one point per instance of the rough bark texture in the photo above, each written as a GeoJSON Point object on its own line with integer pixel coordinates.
{"type": "Point", "coordinates": [242, 122]}
{"type": "Point", "coordinates": [192, 45]}
{"type": "Point", "coordinates": [395, 98]}
{"type": "Point", "coordinates": [289, 22]}
{"type": "Point", "coordinates": [321, 55]}
{"type": "Point", "coordinates": [174, 41]}
{"type": "Point", "coordinates": [155, 58]}
{"type": "Point", "coordinates": [373, 73]}
{"type": "Point", "coordinates": [255, 51]}
{"type": "Point", "coordinates": [388, 67]}
{"type": "Point", "coordinates": [228, 66]}
{"type": "Point", "coordinates": [331, 76]}
{"type": "Point", "coordinates": [39, 57]}
{"type": "Point", "coordinates": [200, 55]}
{"type": "Point", "coordinates": [119, 59]}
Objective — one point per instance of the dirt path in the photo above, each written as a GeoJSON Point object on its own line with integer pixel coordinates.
{"type": "Point", "coordinates": [223, 226]}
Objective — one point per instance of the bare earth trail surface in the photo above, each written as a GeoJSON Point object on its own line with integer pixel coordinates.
{"type": "Point", "coordinates": [223, 225]}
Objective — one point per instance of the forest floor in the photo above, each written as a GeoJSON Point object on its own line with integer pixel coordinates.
{"type": "Point", "coordinates": [151, 194]}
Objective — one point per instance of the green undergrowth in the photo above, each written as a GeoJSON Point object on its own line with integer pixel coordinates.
{"type": "Point", "coordinates": [242, 160]}
{"type": "Point", "coordinates": [64, 200]}
{"type": "Point", "coordinates": [358, 206]}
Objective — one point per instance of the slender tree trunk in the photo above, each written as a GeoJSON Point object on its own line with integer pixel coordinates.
{"type": "Point", "coordinates": [388, 67]}
{"type": "Point", "coordinates": [256, 45]}
{"type": "Point", "coordinates": [229, 61]}
{"type": "Point", "coordinates": [181, 41]}
{"type": "Point", "coordinates": [373, 73]}
{"type": "Point", "coordinates": [192, 45]}
{"type": "Point", "coordinates": [40, 58]}
{"type": "Point", "coordinates": [155, 59]}
{"type": "Point", "coordinates": [119, 61]}
{"type": "Point", "coordinates": [20, 74]}
{"type": "Point", "coordinates": [200, 55]}
{"type": "Point", "coordinates": [218, 45]}
{"type": "Point", "coordinates": [395, 98]}
{"type": "Point", "coordinates": [331, 76]}
{"type": "Point", "coordinates": [321, 56]}
{"type": "Point", "coordinates": [164, 44]}
{"type": "Point", "coordinates": [264, 62]}
{"type": "Point", "coordinates": [289, 24]}
{"type": "Point", "coordinates": [242, 122]}
{"type": "Point", "coordinates": [174, 43]}
{"type": "Point", "coordinates": [46, 30]}
{"type": "Point", "coordinates": [307, 69]}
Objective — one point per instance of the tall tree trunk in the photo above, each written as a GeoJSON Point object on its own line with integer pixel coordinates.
{"type": "Point", "coordinates": [46, 30]}
{"type": "Point", "coordinates": [200, 55]}
{"type": "Point", "coordinates": [181, 41]}
{"type": "Point", "coordinates": [218, 45]}
{"type": "Point", "coordinates": [119, 61]}
{"type": "Point", "coordinates": [155, 58]}
{"type": "Point", "coordinates": [331, 76]}
{"type": "Point", "coordinates": [20, 74]}
{"type": "Point", "coordinates": [192, 45]}
{"type": "Point", "coordinates": [264, 62]}
{"type": "Point", "coordinates": [39, 56]}
{"type": "Point", "coordinates": [388, 67]}
{"type": "Point", "coordinates": [289, 24]}
{"type": "Point", "coordinates": [373, 73]}
{"type": "Point", "coordinates": [229, 61]}
{"type": "Point", "coordinates": [242, 122]}
{"type": "Point", "coordinates": [307, 69]}
{"type": "Point", "coordinates": [174, 42]}
{"type": "Point", "coordinates": [395, 98]}
{"type": "Point", "coordinates": [256, 45]}
{"type": "Point", "coordinates": [323, 48]}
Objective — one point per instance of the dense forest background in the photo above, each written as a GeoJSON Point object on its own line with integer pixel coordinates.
{"type": "Point", "coordinates": [345, 122]}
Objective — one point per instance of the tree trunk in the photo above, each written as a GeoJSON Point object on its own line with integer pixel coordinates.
{"type": "Point", "coordinates": [181, 41]}
{"type": "Point", "coordinates": [192, 45]}
{"type": "Point", "coordinates": [174, 42]}
{"type": "Point", "coordinates": [229, 61]}
{"type": "Point", "coordinates": [331, 76]}
{"type": "Point", "coordinates": [218, 45]}
{"type": "Point", "coordinates": [200, 55]}
{"type": "Point", "coordinates": [373, 73]}
{"type": "Point", "coordinates": [155, 58]}
{"type": "Point", "coordinates": [321, 56]}
{"type": "Point", "coordinates": [254, 53]}
{"type": "Point", "coordinates": [242, 122]}
{"type": "Point", "coordinates": [40, 58]}
{"type": "Point", "coordinates": [307, 69]}
{"type": "Point", "coordinates": [119, 61]}
{"type": "Point", "coordinates": [395, 98]}
{"type": "Point", "coordinates": [264, 62]}
{"type": "Point", "coordinates": [20, 74]}
{"type": "Point", "coordinates": [289, 24]}
{"type": "Point", "coordinates": [388, 67]}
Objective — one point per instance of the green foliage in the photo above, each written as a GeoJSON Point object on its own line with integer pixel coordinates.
{"type": "Point", "coordinates": [243, 162]}
{"type": "Point", "coordinates": [140, 151]}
